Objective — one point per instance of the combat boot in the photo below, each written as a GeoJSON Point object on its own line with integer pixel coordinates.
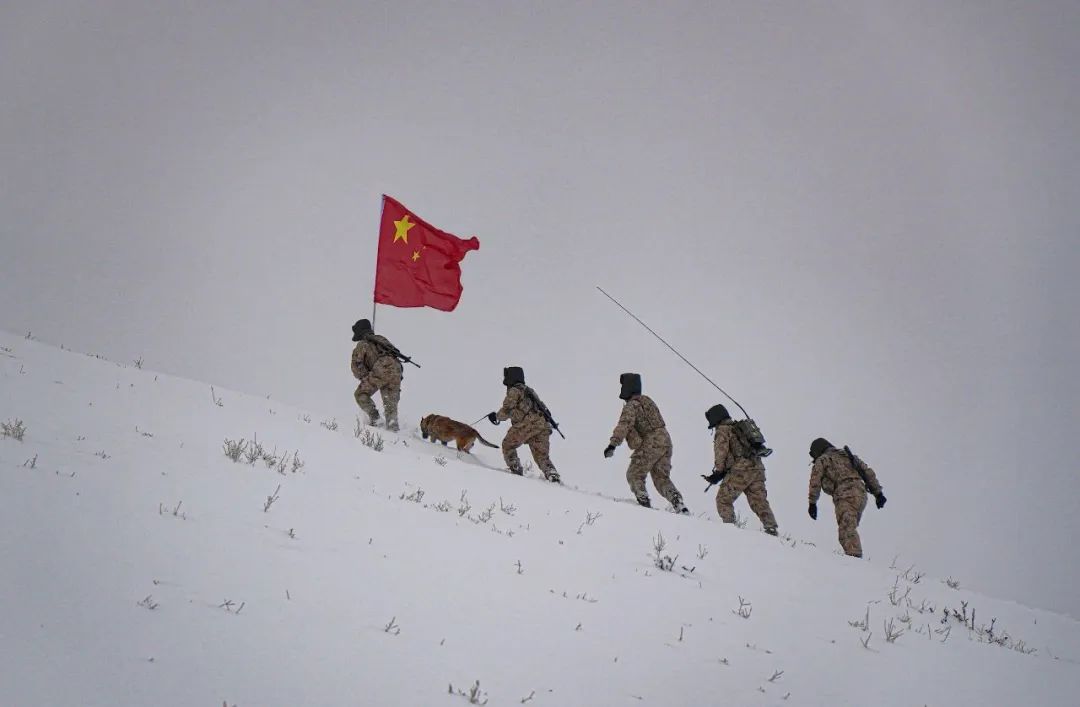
{"type": "Point", "coordinates": [644, 501]}
{"type": "Point", "coordinates": [392, 424]}
{"type": "Point", "coordinates": [553, 477]}
{"type": "Point", "coordinates": [678, 506]}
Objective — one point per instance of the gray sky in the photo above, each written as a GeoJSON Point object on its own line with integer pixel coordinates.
{"type": "Point", "coordinates": [860, 218]}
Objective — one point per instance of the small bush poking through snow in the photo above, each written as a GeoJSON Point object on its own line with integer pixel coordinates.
{"type": "Point", "coordinates": [665, 563]}
{"type": "Point", "coordinates": [744, 610]}
{"type": "Point", "coordinates": [486, 515]}
{"type": "Point", "coordinates": [982, 633]}
{"type": "Point", "coordinates": [270, 458]}
{"type": "Point", "coordinates": [271, 499]}
{"type": "Point", "coordinates": [891, 632]}
{"type": "Point", "coordinates": [254, 451]}
{"type": "Point", "coordinates": [862, 624]}
{"type": "Point", "coordinates": [14, 429]}
{"type": "Point", "coordinates": [372, 440]}
{"type": "Point", "coordinates": [474, 695]}
{"type": "Point", "coordinates": [228, 605]}
{"type": "Point", "coordinates": [234, 448]}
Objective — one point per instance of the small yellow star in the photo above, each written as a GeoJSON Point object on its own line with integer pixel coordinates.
{"type": "Point", "coordinates": [416, 255]}
{"type": "Point", "coordinates": [402, 226]}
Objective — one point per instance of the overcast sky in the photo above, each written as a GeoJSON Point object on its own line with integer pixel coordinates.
{"type": "Point", "coordinates": [859, 218]}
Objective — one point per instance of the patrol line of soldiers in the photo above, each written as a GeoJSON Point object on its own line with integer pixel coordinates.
{"type": "Point", "coordinates": [376, 363]}
{"type": "Point", "coordinates": [737, 466]}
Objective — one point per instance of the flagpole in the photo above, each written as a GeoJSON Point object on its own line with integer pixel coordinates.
{"type": "Point", "coordinates": [374, 304]}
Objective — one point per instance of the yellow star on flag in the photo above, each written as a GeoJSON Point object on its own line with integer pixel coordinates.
{"type": "Point", "coordinates": [415, 255]}
{"type": "Point", "coordinates": [402, 226]}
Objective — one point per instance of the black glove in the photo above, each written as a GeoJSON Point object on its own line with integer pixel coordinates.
{"type": "Point", "coordinates": [609, 451]}
{"type": "Point", "coordinates": [812, 510]}
{"type": "Point", "coordinates": [713, 478]}
{"type": "Point", "coordinates": [880, 500]}
{"type": "Point", "coordinates": [493, 418]}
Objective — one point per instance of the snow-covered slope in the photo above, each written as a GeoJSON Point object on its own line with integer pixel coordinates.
{"type": "Point", "coordinates": [141, 566]}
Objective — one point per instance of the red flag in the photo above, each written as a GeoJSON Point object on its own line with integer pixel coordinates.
{"type": "Point", "coordinates": [417, 264]}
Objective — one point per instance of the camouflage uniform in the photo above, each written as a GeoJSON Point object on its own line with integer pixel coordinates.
{"type": "Point", "coordinates": [833, 473]}
{"type": "Point", "coordinates": [643, 428]}
{"type": "Point", "coordinates": [745, 475]}
{"type": "Point", "coordinates": [377, 370]}
{"type": "Point", "coordinates": [527, 426]}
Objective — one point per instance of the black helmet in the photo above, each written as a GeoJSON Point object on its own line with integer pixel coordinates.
{"type": "Point", "coordinates": [361, 329]}
{"type": "Point", "coordinates": [819, 446]}
{"type": "Point", "coordinates": [631, 385]}
{"type": "Point", "coordinates": [716, 414]}
{"type": "Point", "coordinates": [512, 375]}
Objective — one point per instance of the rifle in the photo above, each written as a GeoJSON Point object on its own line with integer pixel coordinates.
{"type": "Point", "coordinates": [862, 474]}
{"type": "Point", "coordinates": [392, 350]}
{"type": "Point", "coordinates": [543, 409]}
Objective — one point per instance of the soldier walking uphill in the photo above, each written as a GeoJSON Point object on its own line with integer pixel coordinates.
{"type": "Point", "coordinates": [530, 423]}
{"type": "Point", "coordinates": [643, 428]}
{"type": "Point", "coordinates": [376, 363]}
{"type": "Point", "coordinates": [845, 477]}
{"type": "Point", "coordinates": [738, 469]}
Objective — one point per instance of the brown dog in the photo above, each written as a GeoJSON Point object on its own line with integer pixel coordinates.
{"type": "Point", "coordinates": [443, 429]}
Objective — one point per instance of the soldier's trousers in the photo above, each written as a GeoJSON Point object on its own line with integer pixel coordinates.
{"type": "Point", "coordinates": [653, 458]}
{"type": "Point", "coordinates": [389, 387]}
{"type": "Point", "coordinates": [746, 478]}
{"type": "Point", "coordinates": [534, 432]}
{"type": "Point", "coordinates": [849, 510]}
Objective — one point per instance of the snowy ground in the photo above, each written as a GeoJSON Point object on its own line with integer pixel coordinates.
{"type": "Point", "coordinates": [141, 566]}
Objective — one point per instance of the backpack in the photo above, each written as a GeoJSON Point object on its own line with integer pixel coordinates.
{"type": "Point", "coordinates": [750, 435]}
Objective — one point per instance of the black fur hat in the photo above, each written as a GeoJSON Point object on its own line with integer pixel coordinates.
{"type": "Point", "coordinates": [631, 385]}
{"type": "Point", "coordinates": [361, 328]}
{"type": "Point", "coordinates": [819, 446]}
{"type": "Point", "coordinates": [512, 375]}
{"type": "Point", "coordinates": [716, 414]}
